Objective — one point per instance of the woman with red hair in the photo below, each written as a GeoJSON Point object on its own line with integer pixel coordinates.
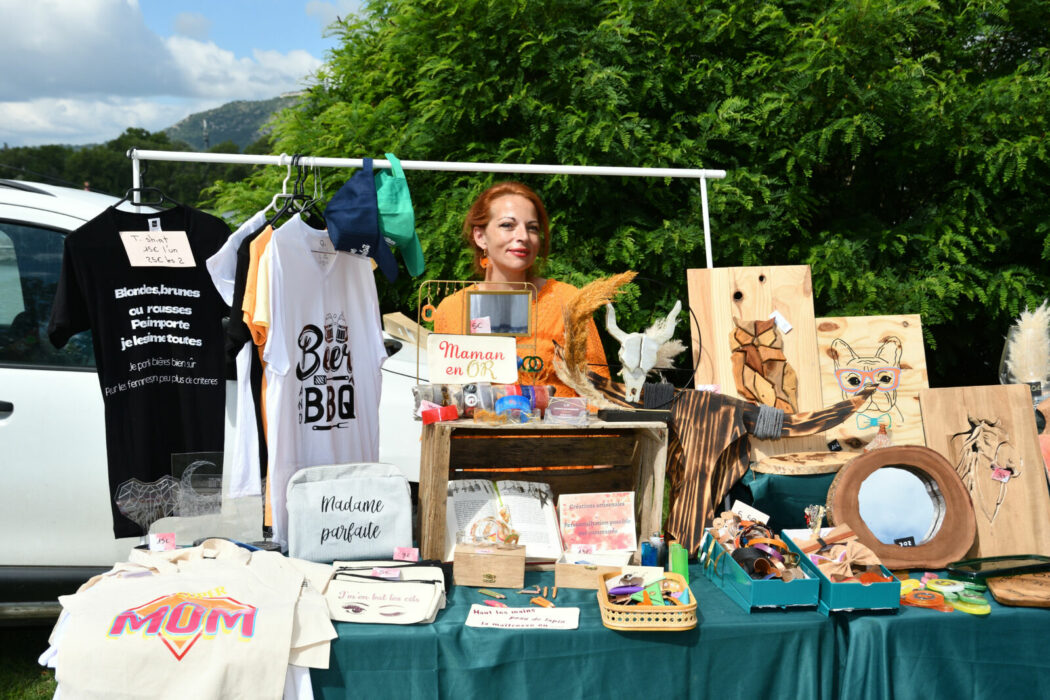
{"type": "Point", "coordinates": [507, 229]}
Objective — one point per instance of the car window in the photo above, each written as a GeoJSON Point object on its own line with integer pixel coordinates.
{"type": "Point", "coordinates": [30, 263]}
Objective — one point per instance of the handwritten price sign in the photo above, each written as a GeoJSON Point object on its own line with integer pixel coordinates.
{"type": "Point", "coordinates": [157, 248]}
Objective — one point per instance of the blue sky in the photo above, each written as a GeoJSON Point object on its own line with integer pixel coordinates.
{"type": "Point", "coordinates": [242, 26]}
{"type": "Point", "coordinates": [89, 69]}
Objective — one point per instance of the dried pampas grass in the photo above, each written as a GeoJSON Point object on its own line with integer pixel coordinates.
{"type": "Point", "coordinates": [570, 362]}
{"type": "Point", "coordinates": [1028, 346]}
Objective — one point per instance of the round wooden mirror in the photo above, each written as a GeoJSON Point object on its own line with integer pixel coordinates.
{"type": "Point", "coordinates": [907, 504]}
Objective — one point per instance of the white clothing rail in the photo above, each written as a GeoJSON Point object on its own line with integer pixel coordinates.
{"type": "Point", "coordinates": [284, 159]}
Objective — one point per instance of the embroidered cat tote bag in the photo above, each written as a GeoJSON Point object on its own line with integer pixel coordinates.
{"type": "Point", "coordinates": [348, 512]}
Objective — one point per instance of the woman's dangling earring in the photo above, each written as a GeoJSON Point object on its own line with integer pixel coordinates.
{"type": "Point", "coordinates": [484, 262]}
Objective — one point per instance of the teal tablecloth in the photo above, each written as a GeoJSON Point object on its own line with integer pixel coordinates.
{"type": "Point", "coordinates": [731, 654]}
{"type": "Point", "coordinates": [926, 654]}
{"type": "Point", "coordinates": [769, 654]}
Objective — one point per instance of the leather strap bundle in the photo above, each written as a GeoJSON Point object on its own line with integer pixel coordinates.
{"type": "Point", "coordinates": [755, 548]}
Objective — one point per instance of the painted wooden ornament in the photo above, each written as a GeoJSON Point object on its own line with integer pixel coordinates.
{"type": "Point", "coordinates": [760, 368]}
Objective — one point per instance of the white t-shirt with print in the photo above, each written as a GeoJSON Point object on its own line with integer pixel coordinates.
{"type": "Point", "coordinates": [324, 353]}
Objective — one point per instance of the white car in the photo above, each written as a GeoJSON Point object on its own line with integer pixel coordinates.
{"type": "Point", "coordinates": [55, 521]}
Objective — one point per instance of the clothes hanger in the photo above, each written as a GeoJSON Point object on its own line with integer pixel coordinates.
{"type": "Point", "coordinates": [284, 186]}
{"type": "Point", "coordinates": [310, 209]}
{"type": "Point", "coordinates": [161, 198]}
{"type": "Point", "coordinates": [290, 198]}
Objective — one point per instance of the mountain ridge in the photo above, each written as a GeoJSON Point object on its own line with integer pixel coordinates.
{"type": "Point", "coordinates": [242, 121]}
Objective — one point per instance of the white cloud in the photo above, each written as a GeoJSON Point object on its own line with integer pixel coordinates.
{"type": "Point", "coordinates": [89, 47]}
{"type": "Point", "coordinates": [210, 71]}
{"type": "Point", "coordinates": [327, 12]}
{"type": "Point", "coordinates": [55, 120]}
{"type": "Point", "coordinates": [193, 25]}
{"type": "Point", "coordinates": [83, 71]}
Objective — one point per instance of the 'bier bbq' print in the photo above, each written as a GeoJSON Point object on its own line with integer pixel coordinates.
{"type": "Point", "coordinates": [326, 375]}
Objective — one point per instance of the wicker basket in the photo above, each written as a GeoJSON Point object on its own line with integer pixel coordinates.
{"type": "Point", "coordinates": [647, 618]}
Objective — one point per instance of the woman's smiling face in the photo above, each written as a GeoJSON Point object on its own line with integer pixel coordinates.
{"type": "Point", "coordinates": [512, 238]}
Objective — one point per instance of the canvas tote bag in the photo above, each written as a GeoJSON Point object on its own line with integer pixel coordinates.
{"type": "Point", "coordinates": [348, 511]}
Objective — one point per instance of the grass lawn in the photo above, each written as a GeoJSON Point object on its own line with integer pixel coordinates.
{"type": "Point", "coordinates": [20, 676]}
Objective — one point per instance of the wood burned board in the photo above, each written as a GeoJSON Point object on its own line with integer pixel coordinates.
{"type": "Point", "coordinates": [720, 297]}
{"type": "Point", "coordinates": [803, 463]}
{"type": "Point", "coordinates": [883, 350]}
{"type": "Point", "coordinates": [1012, 518]}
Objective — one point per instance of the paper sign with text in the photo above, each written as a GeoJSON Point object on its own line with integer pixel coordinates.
{"type": "Point", "coordinates": [464, 359]}
{"type": "Point", "coordinates": [157, 248]}
{"type": "Point", "coordinates": [523, 618]}
{"type": "Point", "coordinates": [749, 512]}
{"type": "Point", "coordinates": [600, 521]}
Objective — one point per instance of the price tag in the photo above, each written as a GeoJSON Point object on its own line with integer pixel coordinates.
{"type": "Point", "coordinates": [1000, 474]}
{"type": "Point", "coordinates": [749, 513]}
{"type": "Point", "coordinates": [406, 554]}
{"type": "Point", "coordinates": [157, 248]}
{"type": "Point", "coordinates": [782, 323]}
{"type": "Point", "coordinates": [482, 324]}
{"type": "Point", "coordinates": [161, 541]}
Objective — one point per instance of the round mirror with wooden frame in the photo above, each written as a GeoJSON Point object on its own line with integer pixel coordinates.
{"type": "Point", "coordinates": [943, 537]}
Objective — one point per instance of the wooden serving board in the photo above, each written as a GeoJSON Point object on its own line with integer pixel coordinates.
{"type": "Point", "coordinates": [803, 463]}
{"type": "Point", "coordinates": [868, 343]}
{"type": "Point", "coordinates": [1021, 524]}
{"type": "Point", "coordinates": [721, 296]}
{"type": "Point", "coordinates": [1029, 590]}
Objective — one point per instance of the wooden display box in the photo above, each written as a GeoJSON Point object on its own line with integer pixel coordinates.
{"type": "Point", "coordinates": [486, 565]}
{"type": "Point", "coordinates": [635, 452]}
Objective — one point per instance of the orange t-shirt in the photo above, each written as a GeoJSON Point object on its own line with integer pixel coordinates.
{"type": "Point", "coordinates": [549, 326]}
{"type": "Point", "coordinates": [256, 249]}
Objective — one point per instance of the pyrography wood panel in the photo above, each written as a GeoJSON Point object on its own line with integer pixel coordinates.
{"type": "Point", "coordinates": [864, 334]}
{"type": "Point", "coordinates": [1023, 523]}
{"type": "Point", "coordinates": [720, 295]}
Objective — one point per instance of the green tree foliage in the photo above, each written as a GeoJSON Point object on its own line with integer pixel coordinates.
{"type": "Point", "coordinates": [106, 168]}
{"type": "Point", "coordinates": [896, 146]}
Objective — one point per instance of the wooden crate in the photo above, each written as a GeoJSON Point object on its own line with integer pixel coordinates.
{"type": "Point", "coordinates": [637, 453]}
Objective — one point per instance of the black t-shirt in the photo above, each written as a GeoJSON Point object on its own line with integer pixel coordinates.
{"type": "Point", "coordinates": [238, 335]}
{"type": "Point", "coordinates": [158, 340]}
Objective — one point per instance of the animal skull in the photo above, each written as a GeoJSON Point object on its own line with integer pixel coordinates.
{"type": "Point", "coordinates": [638, 351]}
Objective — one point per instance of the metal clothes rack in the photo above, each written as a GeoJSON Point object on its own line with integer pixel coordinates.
{"type": "Point", "coordinates": [284, 159]}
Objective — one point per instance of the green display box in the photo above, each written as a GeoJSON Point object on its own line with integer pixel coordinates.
{"type": "Point", "coordinates": [847, 595]}
{"type": "Point", "coordinates": [750, 594]}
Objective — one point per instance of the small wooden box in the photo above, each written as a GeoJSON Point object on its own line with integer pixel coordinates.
{"type": "Point", "coordinates": [486, 565]}
{"type": "Point", "coordinates": [568, 575]}
{"type": "Point", "coordinates": [572, 572]}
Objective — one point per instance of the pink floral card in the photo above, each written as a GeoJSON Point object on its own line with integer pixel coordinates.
{"type": "Point", "coordinates": [598, 522]}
